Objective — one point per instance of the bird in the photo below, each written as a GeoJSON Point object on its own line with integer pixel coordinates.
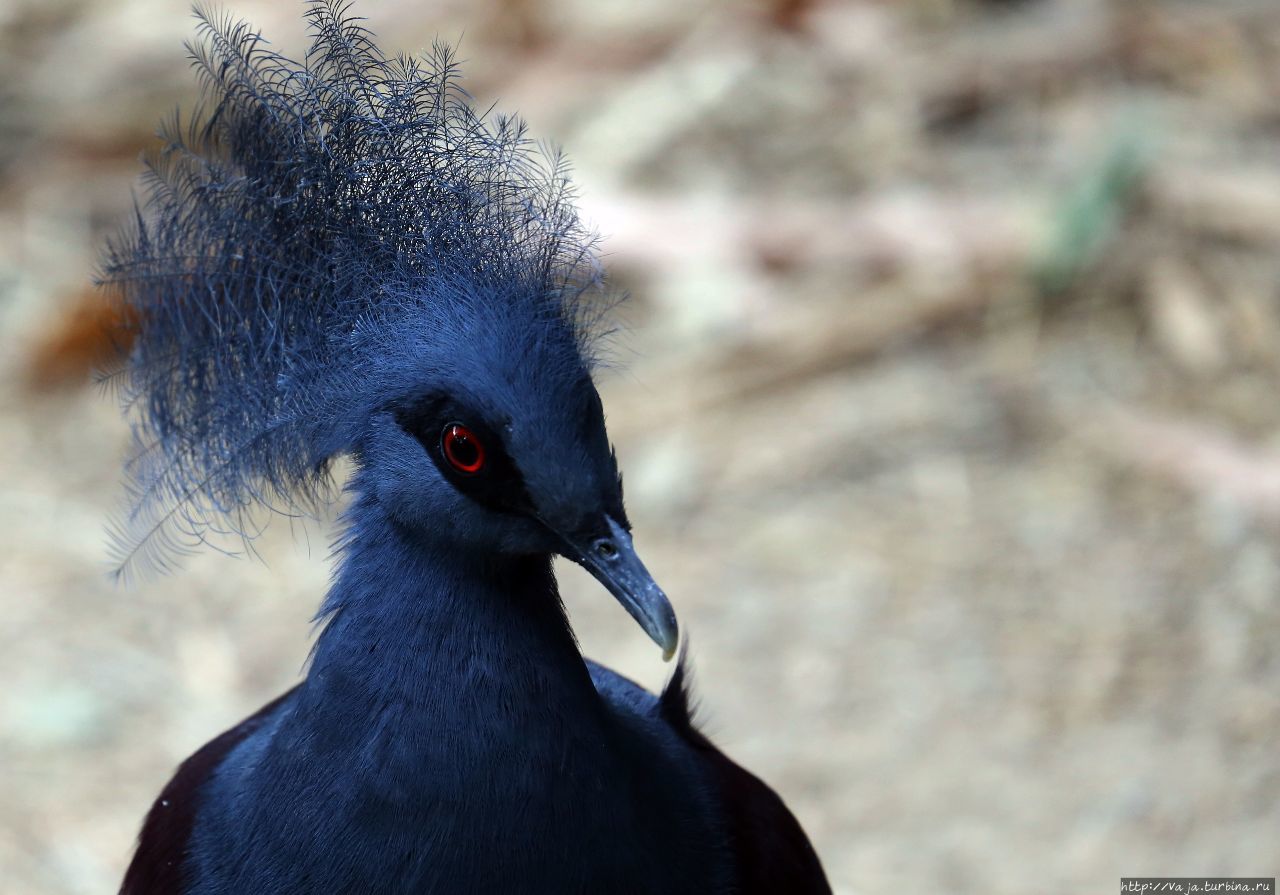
{"type": "Point", "coordinates": [340, 262]}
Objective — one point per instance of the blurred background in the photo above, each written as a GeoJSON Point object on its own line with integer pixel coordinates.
{"type": "Point", "coordinates": [948, 407]}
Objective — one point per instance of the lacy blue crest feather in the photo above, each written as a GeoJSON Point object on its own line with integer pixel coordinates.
{"type": "Point", "coordinates": [296, 235]}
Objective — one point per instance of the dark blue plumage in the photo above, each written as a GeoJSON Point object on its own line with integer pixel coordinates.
{"type": "Point", "coordinates": [339, 257]}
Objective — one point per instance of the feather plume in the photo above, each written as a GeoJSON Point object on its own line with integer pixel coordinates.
{"type": "Point", "coordinates": [294, 237]}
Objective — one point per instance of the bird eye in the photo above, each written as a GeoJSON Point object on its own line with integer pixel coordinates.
{"type": "Point", "coordinates": [462, 449]}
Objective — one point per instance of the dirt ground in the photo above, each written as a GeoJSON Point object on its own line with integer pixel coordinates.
{"type": "Point", "coordinates": [947, 404]}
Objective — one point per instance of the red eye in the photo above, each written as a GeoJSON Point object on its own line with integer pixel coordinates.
{"type": "Point", "coordinates": [462, 449]}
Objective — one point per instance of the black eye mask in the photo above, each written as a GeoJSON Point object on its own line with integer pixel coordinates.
{"type": "Point", "coordinates": [469, 452]}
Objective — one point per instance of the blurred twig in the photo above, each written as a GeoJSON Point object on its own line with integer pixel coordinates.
{"type": "Point", "coordinates": [1090, 211]}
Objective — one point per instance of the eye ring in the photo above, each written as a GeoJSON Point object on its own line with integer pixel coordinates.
{"type": "Point", "coordinates": [462, 448]}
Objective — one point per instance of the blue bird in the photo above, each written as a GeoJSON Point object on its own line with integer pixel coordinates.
{"type": "Point", "coordinates": [342, 258]}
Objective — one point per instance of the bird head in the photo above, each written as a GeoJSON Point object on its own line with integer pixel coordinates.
{"type": "Point", "coordinates": [503, 449]}
{"type": "Point", "coordinates": [342, 257]}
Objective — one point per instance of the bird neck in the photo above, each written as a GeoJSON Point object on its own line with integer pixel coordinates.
{"type": "Point", "coordinates": [427, 637]}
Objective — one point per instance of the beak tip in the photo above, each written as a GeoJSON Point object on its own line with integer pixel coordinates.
{"type": "Point", "coordinates": [667, 633]}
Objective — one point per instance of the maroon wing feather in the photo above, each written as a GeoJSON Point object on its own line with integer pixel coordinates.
{"type": "Point", "coordinates": [771, 852]}
{"type": "Point", "coordinates": [156, 868]}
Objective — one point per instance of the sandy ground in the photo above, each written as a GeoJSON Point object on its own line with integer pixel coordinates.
{"type": "Point", "coordinates": [947, 405]}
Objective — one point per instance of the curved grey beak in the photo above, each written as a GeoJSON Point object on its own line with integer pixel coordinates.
{"type": "Point", "coordinates": [612, 559]}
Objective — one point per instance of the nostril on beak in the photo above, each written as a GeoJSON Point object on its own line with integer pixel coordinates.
{"type": "Point", "coordinates": [606, 549]}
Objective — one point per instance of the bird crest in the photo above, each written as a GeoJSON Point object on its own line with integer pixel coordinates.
{"type": "Point", "coordinates": [309, 235]}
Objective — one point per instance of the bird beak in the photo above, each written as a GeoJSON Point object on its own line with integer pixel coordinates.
{"type": "Point", "coordinates": [612, 559]}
